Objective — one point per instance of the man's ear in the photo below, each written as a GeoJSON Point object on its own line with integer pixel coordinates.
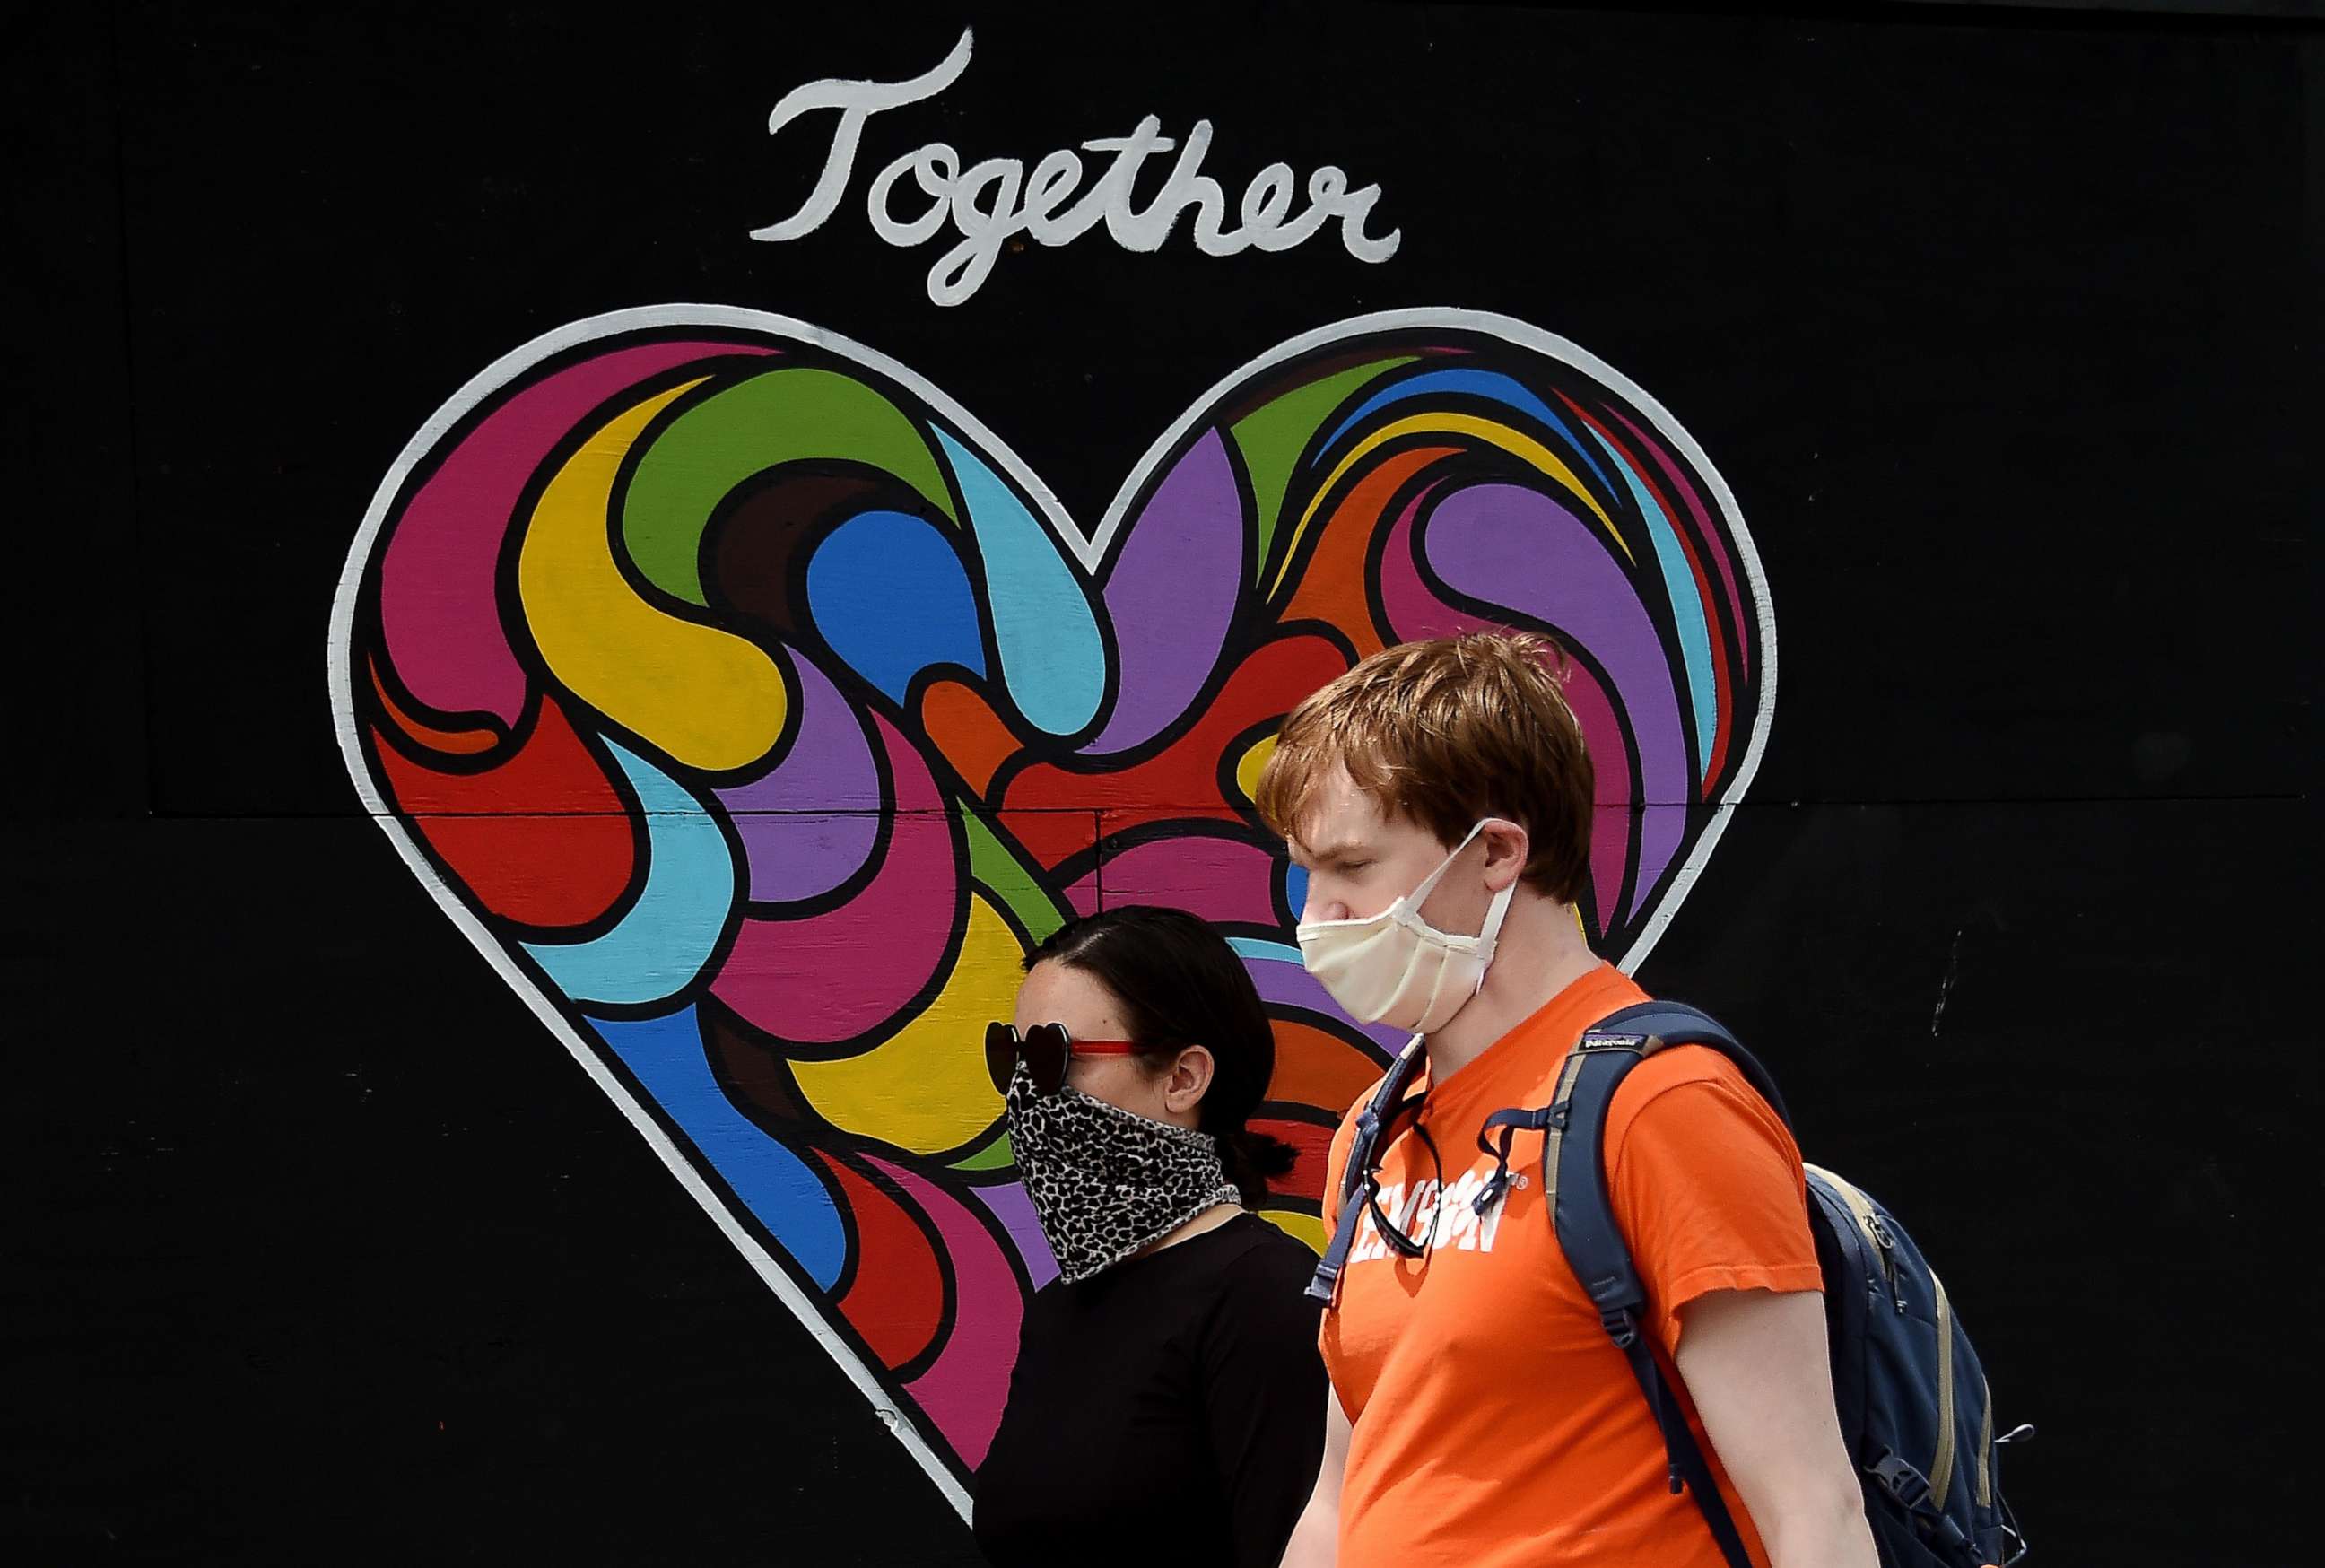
{"type": "Point", "coordinates": [1508, 849]}
{"type": "Point", "coordinates": [1189, 1078]}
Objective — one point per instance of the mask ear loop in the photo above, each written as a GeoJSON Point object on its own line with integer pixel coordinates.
{"type": "Point", "coordinates": [1489, 935]}
{"type": "Point", "coordinates": [1428, 884]}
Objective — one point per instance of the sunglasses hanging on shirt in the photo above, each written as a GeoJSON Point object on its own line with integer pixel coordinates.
{"type": "Point", "coordinates": [1046, 1049]}
{"type": "Point", "coordinates": [1377, 1126]}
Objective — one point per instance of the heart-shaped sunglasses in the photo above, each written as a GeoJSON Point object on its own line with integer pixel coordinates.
{"type": "Point", "coordinates": [1045, 1049]}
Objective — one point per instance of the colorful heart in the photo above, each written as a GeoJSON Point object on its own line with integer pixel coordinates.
{"type": "Point", "coordinates": [752, 707]}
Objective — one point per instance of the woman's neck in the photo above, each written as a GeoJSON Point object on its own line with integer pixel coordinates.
{"type": "Point", "coordinates": [1210, 1218]}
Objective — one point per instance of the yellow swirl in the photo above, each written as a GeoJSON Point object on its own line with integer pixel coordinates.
{"type": "Point", "coordinates": [709, 699]}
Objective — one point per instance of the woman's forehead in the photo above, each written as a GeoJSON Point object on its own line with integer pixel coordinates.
{"type": "Point", "coordinates": [1057, 993]}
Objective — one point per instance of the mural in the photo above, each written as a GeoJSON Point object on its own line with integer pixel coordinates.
{"type": "Point", "coordinates": [752, 707]}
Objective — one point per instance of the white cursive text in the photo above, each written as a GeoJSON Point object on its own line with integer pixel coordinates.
{"type": "Point", "coordinates": [989, 203]}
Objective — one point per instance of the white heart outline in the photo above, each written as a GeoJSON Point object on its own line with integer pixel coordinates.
{"type": "Point", "coordinates": [1090, 554]}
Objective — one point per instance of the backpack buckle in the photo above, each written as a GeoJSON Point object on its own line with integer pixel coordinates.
{"type": "Point", "coordinates": [1622, 1326]}
{"type": "Point", "coordinates": [1902, 1481]}
{"type": "Point", "coordinates": [1510, 1121]}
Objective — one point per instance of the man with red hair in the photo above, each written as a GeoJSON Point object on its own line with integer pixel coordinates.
{"type": "Point", "coordinates": [1438, 796]}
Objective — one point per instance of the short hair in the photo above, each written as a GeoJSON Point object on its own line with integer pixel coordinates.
{"type": "Point", "coordinates": [1443, 733]}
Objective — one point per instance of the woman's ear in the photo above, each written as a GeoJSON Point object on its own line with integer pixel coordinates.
{"type": "Point", "coordinates": [1507, 847]}
{"type": "Point", "coordinates": [1188, 1080]}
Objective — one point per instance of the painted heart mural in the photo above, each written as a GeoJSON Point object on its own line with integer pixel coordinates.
{"type": "Point", "coordinates": [752, 707]}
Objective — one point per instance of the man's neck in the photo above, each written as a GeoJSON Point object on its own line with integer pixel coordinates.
{"type": "Point", "coordinates": [1541, 951]}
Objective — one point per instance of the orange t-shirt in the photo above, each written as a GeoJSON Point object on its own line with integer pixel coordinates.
{"type": "Point", "coordinates": [1494, 1423]}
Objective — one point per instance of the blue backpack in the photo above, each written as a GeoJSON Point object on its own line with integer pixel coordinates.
{"type": "Point", "coordinates": [1912, 1399]}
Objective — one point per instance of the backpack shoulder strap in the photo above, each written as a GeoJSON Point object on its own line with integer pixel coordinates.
{"type": "Point", "coordinates": [1363, 1163]}
{"type": "Point", "coordinates": [1677, 1024]}
{"type": "Point", "coordinates": [1574, 1181]}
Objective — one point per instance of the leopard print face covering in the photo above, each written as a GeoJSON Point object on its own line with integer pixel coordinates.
{"type": "Point", "coordinates": [1104, 1181]}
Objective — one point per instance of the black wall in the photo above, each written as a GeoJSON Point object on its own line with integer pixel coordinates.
{"type": "Point", "coordinates": [2001, 324]}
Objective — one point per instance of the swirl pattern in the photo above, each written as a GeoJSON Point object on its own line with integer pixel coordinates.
{"type": "Point", "coordinates": [753, 708]}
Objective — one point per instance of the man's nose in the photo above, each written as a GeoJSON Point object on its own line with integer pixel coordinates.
{"type": "Point", "coordinates": [1317, 908]}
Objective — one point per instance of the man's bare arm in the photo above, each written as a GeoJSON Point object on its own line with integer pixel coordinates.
{"type": "Point", "coordinates": [1755, 1363]}
{"type": "Point", "coordinates": [1316, 1539]}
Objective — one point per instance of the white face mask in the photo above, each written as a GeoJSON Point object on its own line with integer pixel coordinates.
{"type": "Point", "coordinates": [1397, 969]}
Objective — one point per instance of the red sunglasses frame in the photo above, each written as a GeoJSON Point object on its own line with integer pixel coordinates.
{"type": "Point", "coordinates": [1045, 1049]}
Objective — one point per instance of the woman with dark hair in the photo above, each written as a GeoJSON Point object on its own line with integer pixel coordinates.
{"type": "Point", "coordinates": [1164, 1404]}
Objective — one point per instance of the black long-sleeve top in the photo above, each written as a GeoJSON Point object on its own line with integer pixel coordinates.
{"type": "Point", "coordinates": [1170, 1410]}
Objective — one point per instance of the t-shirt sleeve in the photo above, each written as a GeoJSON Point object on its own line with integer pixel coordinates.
{"type": "Point", "coordinates": [1263, 1398]}
{"type": "Point", "coordinates": [1709, 1189]}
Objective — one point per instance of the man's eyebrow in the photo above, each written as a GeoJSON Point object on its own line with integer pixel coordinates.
{"type": "Point", "coordinates": [1316, 857]}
